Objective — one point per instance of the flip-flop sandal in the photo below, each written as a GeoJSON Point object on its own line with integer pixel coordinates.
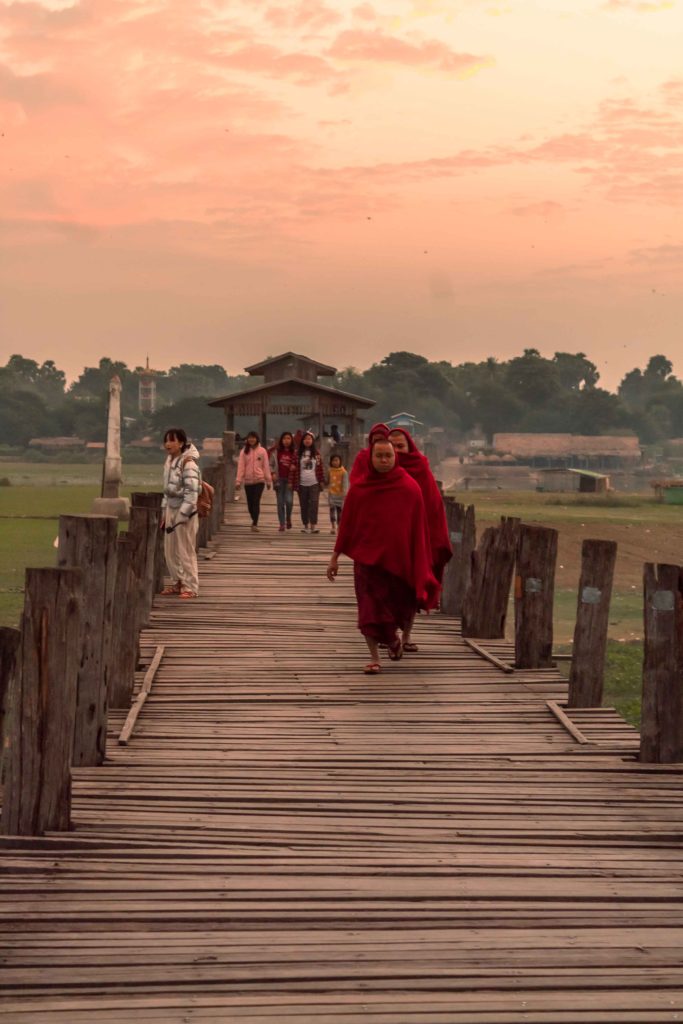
{"type": "Point", "coordinates": [396, 650]}
{"type": "Point", "coordinates": [187, 595]}
{"type": "Point", "coordinates": [410, 648]}
{"type": "Point", "coordinates": [373, 668]}
{"type": "Point", "coordinates": [167, 591]}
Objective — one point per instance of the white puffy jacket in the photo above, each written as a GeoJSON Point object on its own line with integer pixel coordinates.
{"type": "Point", "coordinates": [181, 481]}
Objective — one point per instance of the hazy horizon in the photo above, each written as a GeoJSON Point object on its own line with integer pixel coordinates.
{"type": "Point", "coordinates": [215, 183]}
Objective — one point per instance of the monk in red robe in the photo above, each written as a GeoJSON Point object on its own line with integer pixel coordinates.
{"type": "Point", "coordinates": [361, 463]}
{"type": "Point", "coordinates": [384, 531]}
{"type": "Point", "coordinates": [417, 466]}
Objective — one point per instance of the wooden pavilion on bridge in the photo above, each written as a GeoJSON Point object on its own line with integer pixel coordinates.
{"type": "Point", "coordinates": [291, 388]}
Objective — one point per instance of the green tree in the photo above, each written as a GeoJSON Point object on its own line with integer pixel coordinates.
{"type": "Point", "coordinates": [191, 414]}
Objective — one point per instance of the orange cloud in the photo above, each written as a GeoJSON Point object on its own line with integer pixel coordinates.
{"type": "Point", "coordinates": [375, 45]}
{"type": "Point", "coordinates": [640, 6]}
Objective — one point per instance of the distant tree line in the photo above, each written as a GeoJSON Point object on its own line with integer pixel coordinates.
{"type": "Point", "coordinates": [528, 393]}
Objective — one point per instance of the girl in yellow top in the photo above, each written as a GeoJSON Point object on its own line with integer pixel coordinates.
{"type": "Point", "coordinates": [337, 486]}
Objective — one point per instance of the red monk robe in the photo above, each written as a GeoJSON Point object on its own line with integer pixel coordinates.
{"type": "Point", "coordinates": [384, 531]}
{"type": "Point", "coordinates": [361, 463]}
{"type": "Point", "coordinates": [417, 465]}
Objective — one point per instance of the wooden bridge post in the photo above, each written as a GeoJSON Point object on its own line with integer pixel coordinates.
{"type": "Point", "coordinates": [661, 729]}
{"type": "Point", "coordinates": [124, 628]}
{"type": "Point", "coordinates": [485, 604]}
{"type": "Point", "coordinates": [39, 735]}
{"type": "Point", "coordinates": [230, 468]}
{"type": "Point", "coordinates": [153, 499]}
{"type": "Point", "coordinates": [587, 673]}
{"type": "Point", "coordinates": [534, 594]}
{"type": "Point", "coordinates": [9, 647]}
{"type": "Point", "coordinates": [144, 527]}
{"type": "Point", "coordinates": [89, 543]}
{"type": "Point", "coordinates": [204, 530]}
{"type": "Point", "coordinates": [456, 577]}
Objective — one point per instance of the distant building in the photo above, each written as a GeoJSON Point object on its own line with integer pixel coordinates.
{"type": "Point", "coordinates": [601, 451]}
{"type": "Point", "coordinates": [147, 389]}
{"type": "Point", "coordinates": [670, 492]}
{"type": "Point", "coordinates": [212, 446]}
{"type": "Point", "coordinates": [406, 420]}
{"type": "Point", "coordinates": [582, 481]}
{"type": "Point", "coordinates": [56, 443]}
{"type": "Point", "coordinates": [291, 389]}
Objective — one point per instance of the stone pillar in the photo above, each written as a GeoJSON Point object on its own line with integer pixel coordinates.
{"type": "Point", "coordinates": [110, 504]}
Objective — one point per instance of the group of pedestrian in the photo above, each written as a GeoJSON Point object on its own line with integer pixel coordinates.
{"type": "Point", "coordinates": [291, 469]}
{"type": "Point", "coordinates": [388, 515]}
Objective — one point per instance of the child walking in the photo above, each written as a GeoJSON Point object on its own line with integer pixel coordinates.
{"type": "Point", "coordinates": [307, 476]}
{"type": "Point", "coordinates": [337, 487]}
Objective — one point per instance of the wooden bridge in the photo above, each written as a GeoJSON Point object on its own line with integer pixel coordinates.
{"type": "Point", "coordinates": [285, 840]}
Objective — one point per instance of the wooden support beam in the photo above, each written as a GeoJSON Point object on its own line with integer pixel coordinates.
{"type": "Point", "coordinates": [143, 527]}
{"type": "Point", "coordinates": [587, 676]}
{"type": "Point", "coordinates": [488, 656]}
{"type": "Point", "coordinates": [89, 543]}
{"type": "Point", "coordinates": [661, 729]}
{"type": "Point", "coordinates": [9, 649]}
{"type": "Point", "coordinates": [485, 604]}
{"type": "Point", "coordinates": [534, 594]}
{"type": "Point", "coordinates": [39, 736]}
{"type": "Point", "coordinates": [153, 499]}
{"type": "Point", "coordinates": [124, 629]}
{"type": "Point", "coordinates": [456, 578]}
{"type": "Point", "coordinates": [564, 719]}
{"type": "Point", "coordinates": [138, 703]}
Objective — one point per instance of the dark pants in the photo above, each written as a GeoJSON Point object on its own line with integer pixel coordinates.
{"type": "Point", "coordinates": [308, 499]}
{"type": "Point", "coordinates": [335, 513]}
{"type": "Point", "coordinates": [285, 499]}
{"type": "Point", "coordinates": [253, 493]}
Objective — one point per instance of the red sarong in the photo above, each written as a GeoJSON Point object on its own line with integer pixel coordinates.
{"type": "Point", "coordinates": [385, 603]}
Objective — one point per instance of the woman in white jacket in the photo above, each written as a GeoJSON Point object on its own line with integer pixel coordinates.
{"type": "Point", "coordinates": [179, 514]}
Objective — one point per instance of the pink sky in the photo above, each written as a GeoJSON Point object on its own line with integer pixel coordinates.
{"type": "Point", "coordinates": [219, 181]}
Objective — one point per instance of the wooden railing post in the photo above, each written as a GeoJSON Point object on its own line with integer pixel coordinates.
{"type": "Point", "coordinates": [534, 594]}
{"type": "Point", "coordinates": [144, 527]}
{"type": "Point", "coordinates": [661, 729]}
{"type": "Point", "coordinates": [456, 577]}
{"type": "Point", "coordinates": [124, 628]}
{"type": "Point", "coordinates": [153, 499]}
{"type": "Point", "coordinates": [9, 648]}
{"type": "Point", "coordinates": [230, 468]}
{"type": "Point", "coordinates": [89, 543]}
{"type": "Point", "coordinates": [587, 673]}
{"type": "Point", "coordinates": [42, 706]}
{"type": "Point", "coordinates": [204, 528]}
{"type": "Point", "coordinates": [485, 604]}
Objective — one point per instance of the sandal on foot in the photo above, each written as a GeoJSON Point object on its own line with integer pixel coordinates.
{"type": "Point", "coordinates": [173, 588]}
{"type": "Point", "coordinates": [396, 650]}
{"type": "Point", "coordinates": [373, 668]}
{"type": "Point", "coordinates": [410, 648]}
{"type": "Point", "coordinates": [186, 595]}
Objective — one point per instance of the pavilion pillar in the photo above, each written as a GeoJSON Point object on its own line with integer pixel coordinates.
{"type": "Point", "coordinates": [229, 418]}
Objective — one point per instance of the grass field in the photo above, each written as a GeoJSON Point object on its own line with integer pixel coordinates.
{"type": "Point", "coordinates": [49, 490]}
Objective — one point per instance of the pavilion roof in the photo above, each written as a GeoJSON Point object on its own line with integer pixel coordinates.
{"type": "Point", "coordinates": [323, 369]}
{"type": "Point", "coordinates": [305, 385]}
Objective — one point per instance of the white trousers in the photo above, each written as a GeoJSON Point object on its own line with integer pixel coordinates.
{"type": "Point", "coordinates": [180, 550]}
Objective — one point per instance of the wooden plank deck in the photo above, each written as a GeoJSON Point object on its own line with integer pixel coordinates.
{"type": "Point", "coordinates": [284, 839]}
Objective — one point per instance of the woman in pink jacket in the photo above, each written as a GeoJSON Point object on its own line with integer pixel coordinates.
{"type": "Point", "coordinates": [253, 470]}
